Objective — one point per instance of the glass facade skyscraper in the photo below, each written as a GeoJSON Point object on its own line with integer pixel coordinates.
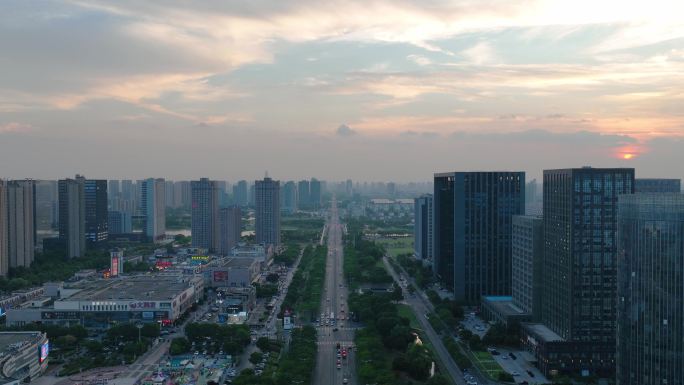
{"type": "Point", "coordinates": [423, 233]}
{"type": "Point", "coordinates": [580, 271]}
{"type": "Point", "coordinates": [205, 214]}
{"type": "Point", "coordinates": [650, 311]}
{"type": "Point", "coordinates": [473, 214]}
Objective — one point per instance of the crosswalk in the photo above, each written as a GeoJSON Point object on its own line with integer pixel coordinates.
{"type": "Point", "coordinates": [326, 343]}
{"type": "Point", "coordinates": [327, 328]}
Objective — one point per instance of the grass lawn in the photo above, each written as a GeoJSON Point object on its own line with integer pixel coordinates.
{"type": "Point", "coordinates": [486, 363]}
{"type": "Point", "coordinates": [397, 246]}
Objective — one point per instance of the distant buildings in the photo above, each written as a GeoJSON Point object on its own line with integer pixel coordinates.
{"type": "Point", "coordinates": [653, 185]}
{"type": "Point", "coordinates": [650, 305]}
{"type": "Point", "coordinates": [120, 222]}
{"type": "Point", "coordinates": [205, 214]}
{"type": "Point", "coordinates": [230, 223]}
{"type": "Point", "coordinates": [267, 194]}
{"type": "Point", "coordinates": [579, 292]}
{"type": "Point", "coordinates": [21, 238]}
{"type": "Point", "coordinates": [423, 232]}
{"type": "Point", "coordinates": [473, 214]}
{"type": "Point", "coordinates": [4, 250]}
{"type": "Point", "coordinates": [72, 214]}
{"type": "Point", "coordinates": [303, 188]}
{"type": "Point", "coordinates": [154, 208]}
{"type": "Point", "coordinates": [289, 198]}
{"type": "Point", "coordinates": [315, 189]}
{"type": "Point", "coordinates": [527, 264]}
{"type": "Point", "coordinates": [240, 191]}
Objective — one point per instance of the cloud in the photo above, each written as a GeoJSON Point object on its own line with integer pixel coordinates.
{"type": "Point", "coordinates": [14, 127]}
{"type": "Point", "coordinates": [480, 53]}
{"type": "Point", "coordinates": [344, 130]}
{"type": "Point", "coordinates": [419, 59]}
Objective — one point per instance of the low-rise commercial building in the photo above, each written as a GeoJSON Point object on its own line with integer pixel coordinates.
{"type": "Point", "coordinates": [23, 356]}
{"type": "Point", "coordinates": [234, 272]}
{"type": "Point", "coordinates": [101, 303]}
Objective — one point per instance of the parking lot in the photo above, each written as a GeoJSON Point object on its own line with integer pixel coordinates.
{"type": "Point", "coordinates": [519, 364]}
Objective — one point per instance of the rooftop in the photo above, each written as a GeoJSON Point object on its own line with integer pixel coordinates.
{"type": "Point", "coordinates": [148, 287]}
{"type": "Point", "coordinates": [543, 332]}
{"type": "Point", "coordinates": [9, 341]}
{"type": "Point", "coordinates": [238, 262]}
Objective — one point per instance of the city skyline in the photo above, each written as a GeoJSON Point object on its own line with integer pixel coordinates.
{"type": "Point", "coordinates": [427, 87]}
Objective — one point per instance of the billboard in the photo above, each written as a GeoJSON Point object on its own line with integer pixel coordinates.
{"type": "Point", "coordinates": [287, 323]}
{"type": "Point", "coordinates": [114, 269]}
{"type": "Point", "coordinates": [220, 275]}
{"type": "Point", "coordinates": [44, 351]}
{"type": "Point", "coordinates": [148, 315]}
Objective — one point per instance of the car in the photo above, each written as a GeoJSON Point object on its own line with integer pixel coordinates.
{"type": "Point", "coordinates": [196, 353]}
{"type": "Point", "coordinates": [339, 366]}
{"type": "Point", "coordinates": [531, 373]}
{"type": "Point", "coordinates": [345, 380]}
{"type": "Point", "coordinates": [339, 362]}
{"type": "Point", "coordinates": [335, 329]}
{"type": "Point", "coordinates": [512, 355]}
{"type": "Point", "coordinates": [515, 374]}
{"type": "Point", "coordinates": [495, 352]}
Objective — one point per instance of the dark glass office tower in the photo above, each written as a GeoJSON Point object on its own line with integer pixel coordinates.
{"type": "Point", "coordinates": [657, 185]}
{"type": "Point", "coordinates": [422, 233]}
{"type": "Point", "coordinates": [267, 212]}
{"type": "Point", "coordinates": [650, 311]}
{"type": "Point", "coordinates": [473, 214]}
{"type": "Point", "coordinates": [580, 253]}
{"type": "Point", "coordinates": [96, 213]}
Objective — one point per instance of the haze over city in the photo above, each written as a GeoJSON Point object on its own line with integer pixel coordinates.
{"type": "Point", "coordinates": [380, 90]}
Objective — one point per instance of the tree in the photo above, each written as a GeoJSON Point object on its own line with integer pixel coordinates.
{"type": "Point", "coordinates": [179, 346]}
{"type": "Point", "coordinates": [272, 277]}
{"type": "Point", "coordinates": [255, 358]}
{"type": "Point", "coordinates": [263, 344]}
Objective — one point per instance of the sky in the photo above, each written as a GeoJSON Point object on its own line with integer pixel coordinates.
{"type": "Point", "coordinates": [391, 90]}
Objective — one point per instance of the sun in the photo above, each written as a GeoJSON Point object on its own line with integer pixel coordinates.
{"type": "Point", "coordinates": [627, 156]}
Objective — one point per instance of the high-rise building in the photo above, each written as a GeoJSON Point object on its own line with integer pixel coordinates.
{"type": "Point", "coordinates": [656, 185]}
{"type": "Point", "coordinates": [240, 193]}
{"type": "Point", "coordinates": [169, 192]}
{"type": "Point", "coordinates": [580, 263]}
{"type": "Point", "coordinates": [96, 222]}
{"type": "Point", "coordinates": [72, 215]}
{"type": "Point", "coordinates": [527, 263]}
{"type": "Point", "coordinates": [205, 214]}
{"type": "Point", "coordinates": [303, 193]}
{"type": "Point", "coordinates": [315, 193]}
{"type": "Point", "coordinates": [473, 215]}
{"type": "Point", "coordinates": [127, 198]}
{"type": "Point", "coordinates": [267, 194]}
{"type": "Point", "coordinates": [423, 234]}
{"type": "Point", "coordinates": [4, 256]}
{"type": "Point", "coordinates": [185, 195]}
{"type": "Point", "coordinates": [289, 197]}
{"type": "Point", "coordinates": [154, 208]}
{"type": "Point", "coordinates": [252, 195]}
{"type": "Point", "coordinates": [650, 305]}
{"type": "Point", "coordinates": [21, 212]}
{"type": "Point", "coordinates": [349, 187]}
{"type": "Point", "coordinates": [120, 222]}
{"type": "Point", "coordinates": [113, 190]}
{"type": "Point", "coordinates": [46, 206]}
{"type": "Point", "coordinates": [231, 228]}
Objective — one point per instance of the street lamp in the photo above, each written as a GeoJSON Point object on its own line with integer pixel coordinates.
{"type": "Point", "coordinates": [139, 325]}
